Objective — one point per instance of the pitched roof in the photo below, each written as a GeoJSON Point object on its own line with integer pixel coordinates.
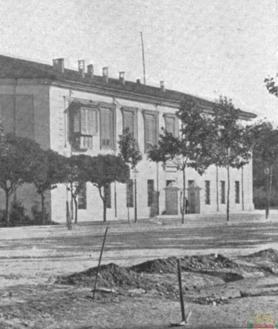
{"type": "Point", "coordinates": [14, 68]}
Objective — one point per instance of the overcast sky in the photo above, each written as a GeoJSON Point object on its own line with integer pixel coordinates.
{"type": "Point", "coordinates": [202, 47]}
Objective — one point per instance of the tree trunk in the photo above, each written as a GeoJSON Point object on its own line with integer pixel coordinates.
{"type": "Point", "coordinates": [104, 210]}
{"type": "Point", "coordinates": [75, 210]}
{"type": "Point", "coordinates": [217, 188]}
{"type": "Point", "coordinates": [135, 200]}
{"type": "Point", "coordinates": [228, 194]}
{"type": "Point", "coordinates": [268, 182]}
{"type": "Point", "coordinates": [7, 212]}
{"type": "Point", "coordinates": [183, 195]}
{"type": "Point", "coordinates": [43, 208]}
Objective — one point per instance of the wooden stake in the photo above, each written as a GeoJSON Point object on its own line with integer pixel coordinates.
{"type": "Point", "coordinates": [181, 293]}
{"type": "Point", "coordinates": [99, 261]}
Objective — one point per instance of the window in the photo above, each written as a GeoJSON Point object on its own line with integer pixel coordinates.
{"type": "Point", "coordinates": [129, 193]}
{"type": "Point", "coordinates": [82, 197]}
{"type": "Point", "coordinates": [150, 184]}
{"type": "Point", "coordinates": [150, 129]}
{"type": "Point", "coordinates": [106, 128]}
{"type": "Point", "coordinates": [223, 191]}
{"type": "Point", "coordinates": [107, 195]}
{"type": "Point", "coordinates": [171, 124]}
{"type": "Point", "coordinates": [129, 121]}
{"type": "Point", "coordinates": [83, 126]}
{"type": "Point", "coordinates": [237, 199]}
{"type": "Point", "coordinates": [207, 191]}
{"type": "Point", "coordinates": [191, 183]}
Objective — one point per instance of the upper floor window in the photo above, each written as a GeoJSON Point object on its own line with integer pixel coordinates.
{"type": "Point", "coordinates": [129, 121]}
{"type": "Point", "coordinates": [107, 128]}
{"type": "Point", "coordinates": [83, 126]}
{"type": "Point", "coordinates": [171, 124]}
{"type": "Point", "coordinates": [151, 129]}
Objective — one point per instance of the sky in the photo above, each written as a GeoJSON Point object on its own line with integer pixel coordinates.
{"type": "Point", "coordinates": [201, 47]}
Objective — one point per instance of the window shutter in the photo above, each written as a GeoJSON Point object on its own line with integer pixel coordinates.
{"type": "Point", "coordinates": [129, 121]}
{"type": "Point", "coordinates": [76, 121]}
{"type": "Point", "coordinates": [84, 121]}
{"type": "Point", "coordinates": [106, 127]}
{"type": "Point", "coordinates": [92, 122]}
{"type": "Point", "coordinates": [170, 124]}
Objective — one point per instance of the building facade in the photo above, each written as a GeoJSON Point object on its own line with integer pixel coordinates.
{"type": "Point", "coordinates": [77, 112]}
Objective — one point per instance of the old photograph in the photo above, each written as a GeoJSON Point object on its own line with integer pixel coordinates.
{"type": "Point", "coordinates": [138, 164]}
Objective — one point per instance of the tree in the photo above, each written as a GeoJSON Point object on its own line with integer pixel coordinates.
{"type": "Point", "coordinates": [16, 165]}
{"type": "Point", "coordinates": [131, 155]}
{"type": "Point", "coordinates": [265, 154]}
{"type": "Point", "coordinates": [102, 170]}
{"type": "Point", "coordinates": [75, 178]}
{"type": "Point", "coordinates": [191, 148]}
{"type": "Point", "coordinates": [47, 173]}
{"type": "Point", "coordinates": [231, 147]}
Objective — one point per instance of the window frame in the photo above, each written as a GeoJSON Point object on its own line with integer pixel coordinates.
{"type": "Point", "coordinates": [112, 108]}
{"type": "Point", "coordinates": [150, 192]}
{"type": "Point", "coordinates": [176, 123]}
{"type": "Point", "coordinates": [155, 114]}
{"type": "Point", "coordinates": [207, 192]}
{"type": "Point", "coordinates": [134, 111]}
{"type": "Point", "coordinates": [83, 195]}
{"type": "Point", "coordinates": [223, 192]}
{"type": "Point", "coordinates": [237, 192]}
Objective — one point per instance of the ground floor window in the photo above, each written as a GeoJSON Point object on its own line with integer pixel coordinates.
{"type": "Point", "coordinates": [82, 197]}
{"type": "Point", "coordinates": [150, 184]}
{"type": "Point", "coordinates": [107, 195]}
{"type": "Point", "coordinates": [129, 193]}
{"type": "Point", "coordinates": [237, 200]}
{"type": "Point", "coordinates": [207, 191]}
{"type": "Point", "coordinates": [223, 191]}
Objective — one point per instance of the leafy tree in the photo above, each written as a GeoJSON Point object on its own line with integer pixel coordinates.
{"type": "Point", "coordinates": [231, 147]}
{"type": "Point", "coordinates": [102, 170]}
{"type": "Point", "coordinates": [47, 173]}
{"type": "Point", "coordinates": [16, 165]}
{"type": "Point", "coordinates": [265, 154]}
{"type": "Point", "coordinates": [131, 155]}
{"type": "Point", "coordinates": [191, 148]}
{"type": "Point", "coordinates": [75, 178]}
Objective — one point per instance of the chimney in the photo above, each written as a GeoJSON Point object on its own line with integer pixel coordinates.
{"type": "Point", "coordinates": [105, 73]}
{"type": "Point", "coordinates": [162, 85]}
{"type": "Point", "coordinates": [90, 70]}
{"type": "Point", "coordinates": [58, 64]}
{"type": "Point", "coordinates": [122, 77]}
{"type": "Point", "coordinates": [138, 81]}
{"type": "Point", "coordinates": [81, 67]}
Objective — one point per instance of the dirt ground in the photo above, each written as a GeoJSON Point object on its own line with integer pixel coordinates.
{"type": "Point", "coordinates": [47, 275]}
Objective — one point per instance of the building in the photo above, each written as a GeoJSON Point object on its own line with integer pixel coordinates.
{"type": "Point", "coordinates": [75, 112]}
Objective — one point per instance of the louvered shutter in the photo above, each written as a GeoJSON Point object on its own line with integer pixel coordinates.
{"type": "Point", "coordinates": [107, 128]}
{"type": "Point", "coordinates": [170, 124]}
{"type": "Point", "coordinates": [83, 121]}
{"type": "Point", "coordinates": [92, 122]}
{"type": "Point", "coordinates": [7, 112]}
{"type": "Point", "coordinates": [129, 121]}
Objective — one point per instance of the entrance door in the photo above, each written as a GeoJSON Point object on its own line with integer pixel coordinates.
{"type": "Point", "coordinates": [171, 200]}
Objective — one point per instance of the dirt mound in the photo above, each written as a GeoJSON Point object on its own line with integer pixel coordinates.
{"type": "Point", "coordinates": [205, 263]}
{"type": "Point", "coordinates": [266, 254]}
{"type": "Point", "coordinates": [161, 265]}
{"type": "Point", "coordinates": [110, 275]}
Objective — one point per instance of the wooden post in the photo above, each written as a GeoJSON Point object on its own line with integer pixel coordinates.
{"type": "Point", "coordinates": [99, 261]}
{"type": "Point", "coordinates": [181, 293]}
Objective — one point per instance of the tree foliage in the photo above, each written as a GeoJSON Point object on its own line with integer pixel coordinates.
{"type": "Point", "coordinates": [102, 170]}
{"type": "Point", "coordinates": [191, 148]}
{"type": "Point", "coordinates": [129, 150]}
{"type": "Point", "coordinates": [16, 164]}
{"type": "Point", "coordinates": [47, 173]}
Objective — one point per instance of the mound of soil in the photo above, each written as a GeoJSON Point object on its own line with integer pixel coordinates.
{"type": "Point", "coordinates": [110, 275]}
{"type": "Point", "coordinates": [266, 254]}
{"type": "Point", "coordinates": [204, 263]}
